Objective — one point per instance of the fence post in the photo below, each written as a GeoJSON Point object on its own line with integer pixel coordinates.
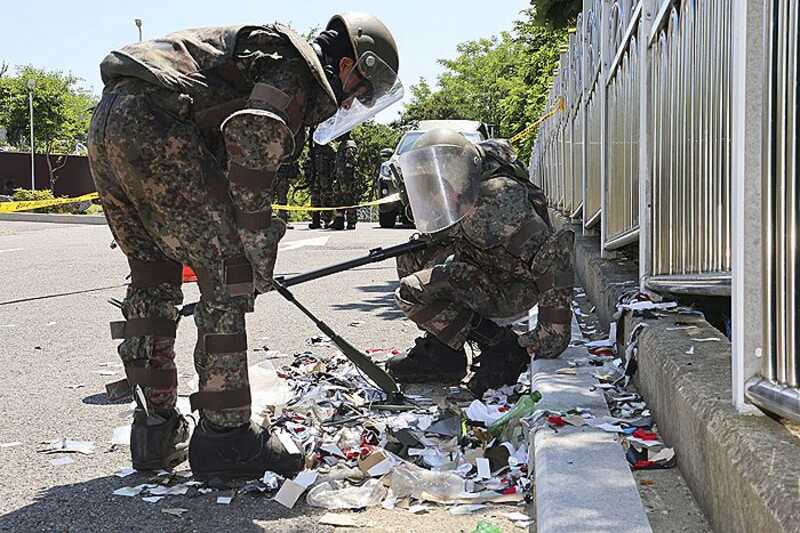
{"type": "Point", "coordinates": [649, 8]}
{"type": "Point", "coordinates": [606, 55]}
{"type": "Point", "coordinates": [746, 239]}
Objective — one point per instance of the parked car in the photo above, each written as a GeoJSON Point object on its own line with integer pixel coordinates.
{"type": "Point", "coordinates": [389, 180]}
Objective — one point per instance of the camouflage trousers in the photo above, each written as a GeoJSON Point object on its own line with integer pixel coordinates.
{"type": "Point", "coordinates": [347, 193]}
{"type": "Point", "coordinates": [446, 296]}
{"type": "Point", "coordinates": [152, 171]}
{"type": "Point", "coordinates": [282, 196]}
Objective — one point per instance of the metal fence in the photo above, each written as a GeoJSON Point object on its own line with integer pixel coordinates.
{"type": "Point", "coordinates": [683, 58]}
{"type": "Point", "coordinates": [776, 388]}
{"type": "Point", "coordinates": [690, 58]}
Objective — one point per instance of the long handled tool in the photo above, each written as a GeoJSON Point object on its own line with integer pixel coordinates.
{"type": "Point", "coordinates": [362, 361]}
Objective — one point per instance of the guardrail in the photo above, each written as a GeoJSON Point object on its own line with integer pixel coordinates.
{"type": "Point", "coordinates": [675, 68]}
{"type": "Point", "coordinates": [776, 386]}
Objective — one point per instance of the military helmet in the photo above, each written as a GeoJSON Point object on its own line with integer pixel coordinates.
{"type": "Point", "coordinates": [368, 34]}
{"type": "Point", "coordinates": [441, 172]}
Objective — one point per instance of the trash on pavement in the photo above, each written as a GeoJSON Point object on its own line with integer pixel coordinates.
{"type": "Point", "coordinates": [10, 444]}
{"type": "Point", "coordinates": [175, 511]}
{"type": "Point", "coordinates": [338, 520]}
{"type": "Point", "coordinates": [61, 461]}
{"type": "Point", "coordinates": [340, 495]}
{"type": "Point", "coordinates": [64, 445]}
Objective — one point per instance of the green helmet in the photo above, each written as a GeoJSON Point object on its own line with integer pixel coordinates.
{"type": "Point", "coordinates": [374, 48]}
{"type": "Point", "coordinates": [376, 65]}
{"type": "Point", "coordinates": [444, 136]}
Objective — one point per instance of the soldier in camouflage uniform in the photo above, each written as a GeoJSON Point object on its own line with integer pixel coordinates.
{"type": "Point", "coordinates": [488, 264]}
{"type": "Point", "coordinates": [318, 171]}
{"type": "Point", "coordinates": [184, 147]}
{"type": "Point", "coordinates": [346, 186]}
{"type": "Point", "coordinates": [285, 177]}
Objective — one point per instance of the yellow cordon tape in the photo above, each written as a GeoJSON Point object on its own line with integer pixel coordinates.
{"type": "Point", "coordinates": [560, 106]}
{"type": "Point", "coordinates": [12, 207]}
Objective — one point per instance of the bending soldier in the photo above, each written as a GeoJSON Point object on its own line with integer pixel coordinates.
{"type": "Point", "coordinates": [184, 146]}
{"type": "Point", "coordinates": [495, 255]}
{"type": "Point", "coordinates": [347, 186]}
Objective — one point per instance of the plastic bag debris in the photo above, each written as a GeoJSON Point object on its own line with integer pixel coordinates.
{"type": "Point", "coordinates": [411, 480]}
{"type": "Point", "coordinates": [175, 511]}
{"type": "Point", "coordinates": [486, 527]}
{"type": "Point", "coordinates": [460, 510]}
{"type": "Point", "coordinates": [338, 520]}
{"type": "Point", "coordinates": [124, 472]}
{"type": "Point", "coordinates": [64, 445]}
{"type": "Point", "coordinates": [338, 495]}
{"type": "Point", "coordinates": [61, 461]}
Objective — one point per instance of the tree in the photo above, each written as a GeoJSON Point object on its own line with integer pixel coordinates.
{"type": "Point", "coordinates": [371, 137]}
{"type": "Point", "coordinates": [503, 81]}
{"type": "Point", "coordinates": [556, 13]}
{"type": "Point", "coordinates": [61, 114]}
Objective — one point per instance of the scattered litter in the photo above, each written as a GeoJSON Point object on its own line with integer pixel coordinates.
{"type": "Point", "coordinates": [124, 472]}
{"type": "Point", "coordinates": [337, 495]}
{"type": "Point", "coordinates": [163, 490]}
{"type": "Point", "coordinates": [152, 499]}
{"type": "Point", "coordinates": [516, 516]}
{"type": "Point", "coordinates": [690, 351]}
{"type": "Point", "coordinates": [306, 478]}
{"type": "Point", "coordinates": [707, 339]}
{"type": "Point", "coordinates": [105, 372]}
{"type": "Point", "coordinates": [64, 445]}
{"type": "Point", "coordinates": [486, 527]}
{"type": "Point", "coordinates": [484, 470]}
{"type": "Point", "coordinates": [459, 510]}
{"type": "Point", "coordinates": [338, 520]}
{"type": "Point", "coordinates": [132, 491]}
{"type": "Point", "coordinates": [10, 444]}
{"type": "Point", "coordinates": [62, 461]}
{"type": "Point", "coordinates": [289, 493]}
{"type": "Point", "coordinates": [419, 509]}
{"type": "Point", "coordinates": [175, 511]}
{"type": "Point", "coordinates": [224, 500]}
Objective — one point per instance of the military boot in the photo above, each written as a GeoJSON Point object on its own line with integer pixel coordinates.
{"type": "Point", "coordinates": [160, 440]}
{"type": "Point", "coordinates": [501, 360]}
{"type": "Point", "coordinates": [351, 225]}
{"type": "Point", "coordinates": [338, 223]}
{"type": "Point", "coordinates": [245, 452]}
{"type": "Point", "coordinates": [428, 361]}
{"type": "Point", "coordinates": [315, 221]}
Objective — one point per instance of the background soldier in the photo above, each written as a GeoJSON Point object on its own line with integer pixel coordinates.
{"type": "Point", "coordinates": [184, 146]}
{"type": "Point", "coordinates": [318, 171]}
{"type": "Point", "coordinates": [346, 187]}
{"type": "Point", "coordinates": [285, 177]}
{"type": "Point", "coordinates": [494, 256]}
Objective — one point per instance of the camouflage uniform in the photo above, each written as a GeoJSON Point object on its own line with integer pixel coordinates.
{"type": "Point", "coordinates": [318, 171]}
{"type": "Point", "coordinates": [498, 262]}
{"type": "Point", "coordinates": [347, 192]}
{"type": "Point", "coordinates": [183, 147]}
{"type": "Point", "coordinates": [283, 179]}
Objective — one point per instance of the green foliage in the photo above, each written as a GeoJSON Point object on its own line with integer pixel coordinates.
{"type": "Point", "coordinates": [61, 110]}
{"type": "Point", "coordinates": [27, 195]}
{"type": "Point", "coordinates": [502, 81]}
{"type": "Point", "coordinates": [556, 13]}
{"type": "Point", "coordinates": [371, 137]}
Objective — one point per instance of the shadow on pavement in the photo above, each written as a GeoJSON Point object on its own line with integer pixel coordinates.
{"type": "Point", "coordinates": [101, 398]}
{"type": "Point", "coordinates": [90, 506]}
{"type": "Point", "coordinates": [380, 303]}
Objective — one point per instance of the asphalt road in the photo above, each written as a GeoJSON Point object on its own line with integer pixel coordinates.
{"type": "Point", "coordinates": [52, 352]}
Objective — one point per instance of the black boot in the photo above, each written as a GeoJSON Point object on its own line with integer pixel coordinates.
{"type": "Point", "coordinates": [351, 225]}
{"type": "Point", "coordinates": [159, 441]}
{"type": "Point", "coordinates": [338, 223]}
{"type": "Point", "coordinates": [501, 360]}
{"type": "Point", "coordinates": [428, 361]}
{"type": "Point", "coordinates": [244, 452]}
{"type": "Point", "coordinates": [315, 221]}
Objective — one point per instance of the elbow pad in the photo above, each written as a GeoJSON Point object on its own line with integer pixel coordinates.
{"type": "Point", "coordinates": [257, 139]}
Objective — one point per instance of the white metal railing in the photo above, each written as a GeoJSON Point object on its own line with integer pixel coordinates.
{"type": "Point", "coordinates": [690, 103]}
{"type": "Point", "coordinates": [775, 387]}
{"type": "Point", "coordinates": [676, 68]}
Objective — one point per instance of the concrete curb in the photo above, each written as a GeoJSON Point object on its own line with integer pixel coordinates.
{"type": "Point", "coordinates": [583, 480]}
{"type": "Point", "coordinates": [54, 218]}
{"type": "Point", "coordinates": [742, 470]}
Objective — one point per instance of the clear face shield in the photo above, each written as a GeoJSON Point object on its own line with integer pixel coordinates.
{"type": "Point", "coordinates": [371, 86]}
{"type": "Point", "coordinates": [442, 183]}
